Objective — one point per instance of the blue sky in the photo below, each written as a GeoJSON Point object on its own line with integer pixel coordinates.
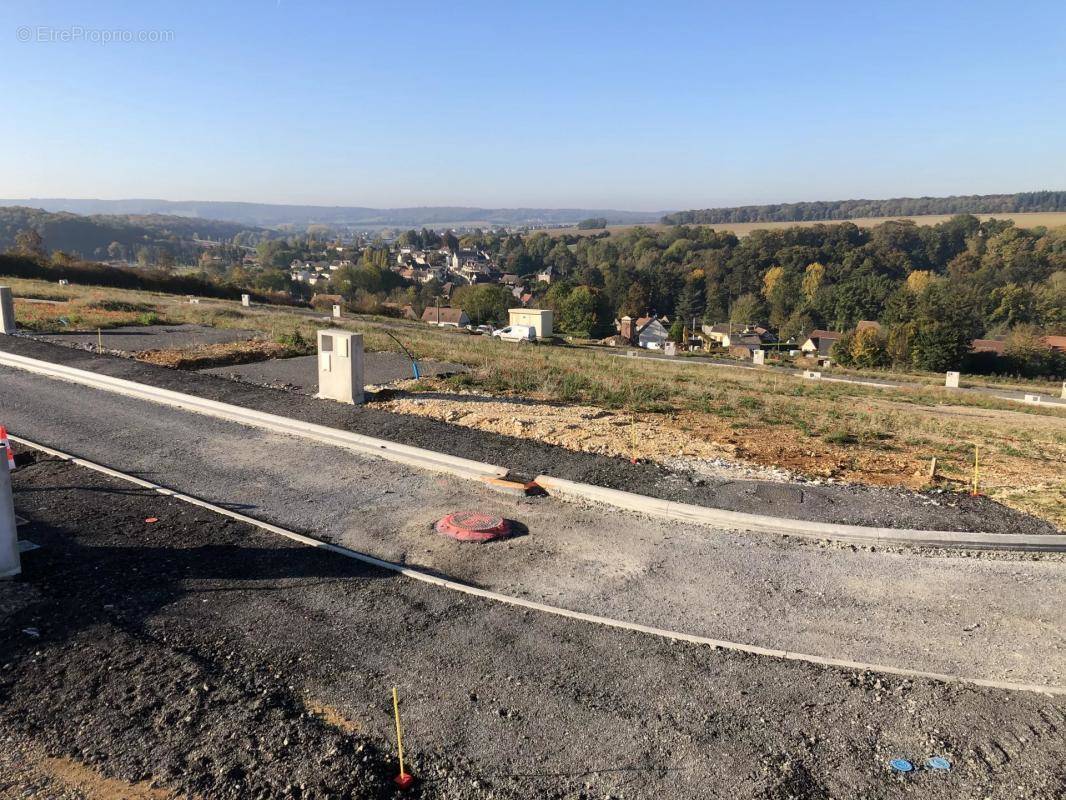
{"type": "Point", "coordinates": [593, 104]}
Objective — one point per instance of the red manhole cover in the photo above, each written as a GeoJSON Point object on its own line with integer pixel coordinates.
{"type": "Point", "coordinates": [473, 526]}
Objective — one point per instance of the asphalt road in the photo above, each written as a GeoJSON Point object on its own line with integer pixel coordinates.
{"type": "Point", "coordinates": [187, 652]}
{"type": "Point", "coordinates": [989, 617]}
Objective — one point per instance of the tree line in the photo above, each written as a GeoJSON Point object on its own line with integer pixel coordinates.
{"type": "Point", "coordinates": [819, 211]}
{"type": "Point", "coordinates": [933, 288]}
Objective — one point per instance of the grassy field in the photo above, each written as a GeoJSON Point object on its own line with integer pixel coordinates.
{"type": "Point", "coordinates": [827, 430]}
{"type": "Point", "coordinates": [1049, 219]}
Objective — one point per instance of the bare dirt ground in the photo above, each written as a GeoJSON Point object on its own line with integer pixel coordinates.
{"type": "Point", "coordinates": [198, 657]}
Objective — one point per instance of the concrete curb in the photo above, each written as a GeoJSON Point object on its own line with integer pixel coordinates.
{"type": "Point", "coordinates": [463, 588]}
{"type": "Point", "coordinates": [392, 451]}
{"type": "Point", "coordinates": [735, 520]}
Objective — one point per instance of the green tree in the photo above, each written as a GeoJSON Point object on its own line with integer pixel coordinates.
{"type": "Point", "coordinates": [868, 348]}
{"type": "Point", "coordinates": [484, 302]}
{"type": "Point", "coordinates": [746, 310]}
{"type": "Point", "coordinates": [944, 326]}
{"type": "Point", "coordinates": [582, 313]}
{"type": "Point", "coordinates": [30, 243]}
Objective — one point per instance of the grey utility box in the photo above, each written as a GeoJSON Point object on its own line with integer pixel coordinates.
{"type": "Point", "coordinates": [340, 365]}
{"type": "Point", "coordinates": [7, 311]}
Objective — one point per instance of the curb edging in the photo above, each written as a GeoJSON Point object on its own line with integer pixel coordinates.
{"type": "Point", "coordinates": [855, 534]}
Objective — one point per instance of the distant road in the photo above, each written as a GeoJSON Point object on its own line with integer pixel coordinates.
{"type": "Point", "coordinates": [1046, 399]}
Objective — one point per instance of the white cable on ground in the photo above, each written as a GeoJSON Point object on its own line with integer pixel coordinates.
{"type": "Point", "coordinates": [534, 606]}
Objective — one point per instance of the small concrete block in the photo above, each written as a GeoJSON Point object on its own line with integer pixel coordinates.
{"type": "Point", "coordinates": [64, 282]}
{"type": "Point", "coordinates": [336, 312]}
{"type": "Point", "coordinates": [631, 353]}
{"type": "Point", "coordinates": [1032, 398]}
{"type": "Point", "coordinates": [670, 348]}
{"type": "Point", "coordinates": [810, 374]}
{"type": "Point", "coordinates": [1064, 390]}
{"type": "Point", "coordinates": [246, 300]}
{"type": "Point", "coordinates": [951, 380]}
{"type": "Point", "coordinates": [758, 356]}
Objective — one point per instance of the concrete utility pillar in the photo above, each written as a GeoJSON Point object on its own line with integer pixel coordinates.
{"type": "Point", "coordinates": [10, 564]}
{"type": "Point", "coordinates": [670, 348]}
{"type": "Point", "coordinates": [1064, 390]}
{"type": "Point", "coordinates": [812, 375]}
{"type": "Point", "coordinates": [246, 300]}
{"type": "Point", "coordinates": [951, 381]}
{"type": "Point", "coordinates": [758, 357]}
{"type": "Point", "coordinates": [7, 311]}
{"type": "Point", "coordinates": [340, 365]}
{"type": "Point", "coordinates": [336, 312]}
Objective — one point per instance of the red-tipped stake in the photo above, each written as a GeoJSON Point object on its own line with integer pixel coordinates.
{"type": "Point", "coordinates": [403, 780]}
{"type": "Point", "coordinates": [4, 443]}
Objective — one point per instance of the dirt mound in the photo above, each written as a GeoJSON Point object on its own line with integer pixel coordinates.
{"type": "Point", "coordinates": [580, 428]}
{"type": "Point", "coordinates": [222, 354]}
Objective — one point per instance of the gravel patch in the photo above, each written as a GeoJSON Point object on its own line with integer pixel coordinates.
{"type": "Point", "coordinates": [847, 504]}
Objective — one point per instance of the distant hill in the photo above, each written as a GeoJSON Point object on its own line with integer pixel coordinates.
{"type": "Point", "coordinates": [270, 215]}
{"type": "Point", "coordinates": [89, 236]}
{"type": "Point", "coordinates": [897, 207]}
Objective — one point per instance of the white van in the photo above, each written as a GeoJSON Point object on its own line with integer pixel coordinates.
{"type": "Point", "coordinates": [516, 333]}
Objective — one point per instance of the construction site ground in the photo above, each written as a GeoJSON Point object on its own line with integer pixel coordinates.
{"type": "Point", "coordinates": [200, 657]}
{"type": "Point", "coordinates": [726, 482]}
{"type": "Point", "coordinates": [300, 374]}
{"type": "Point", "coordinates": [993, 617]}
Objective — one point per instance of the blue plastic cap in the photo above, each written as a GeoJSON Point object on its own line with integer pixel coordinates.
{"type": "Point", "coordinates": [901, 765]}
{"type": "Point", "coordinates": [936, 762]}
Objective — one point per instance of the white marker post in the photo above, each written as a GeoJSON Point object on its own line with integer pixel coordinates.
{"type": "Point", "coordinates": [7, 311]}
{"type": "Point", "coordinates": [10, 564]}
{"type": "Point", "coordinates": [246, 300]}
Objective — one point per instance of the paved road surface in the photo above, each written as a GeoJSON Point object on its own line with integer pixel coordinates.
{"type": "Point", "coordinates": [991, 617]}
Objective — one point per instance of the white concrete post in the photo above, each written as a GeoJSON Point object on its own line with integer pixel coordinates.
{"type": "Point", "coordinates": [336, 312]}
{"type": "Point", "coordinates": [951, 380]}
{"type": "Point", "coordinates": [758, 356]}
{"type": "Point", "coordinates": [7, 311]}
{"type": "Point", "coordinates": [1064, 390]}
{"type": "Point", "coordinates": [340, 365]}
{"type": "Point", "coordinates": [246, 300]}
{"type": "Point", "coordinates": [10, 564]}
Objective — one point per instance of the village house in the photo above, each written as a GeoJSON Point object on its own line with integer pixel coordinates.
{"type": "Point", "coordinates": [994, 346]}
{"type": "Point", "coordinates": [726, 335]}
{"type": "Point", "coordinates": [445, 317]}
{"type": "Point", "coordinates": [819, 342]}
{"type": "Point", "coordinates": [647, 332]}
